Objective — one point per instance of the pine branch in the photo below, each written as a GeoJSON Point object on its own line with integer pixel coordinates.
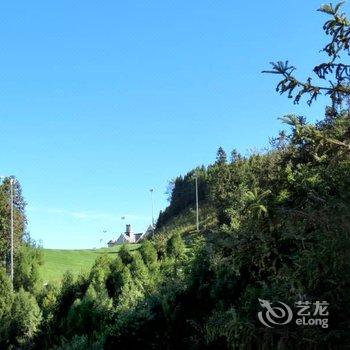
{"type": "Point", "coordinates": [338, 27]}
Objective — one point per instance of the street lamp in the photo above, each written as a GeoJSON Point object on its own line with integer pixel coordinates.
{"type": "Point", "coordinates": [197, 209]}
{"type": "Point", "coordinates": [12, 182]}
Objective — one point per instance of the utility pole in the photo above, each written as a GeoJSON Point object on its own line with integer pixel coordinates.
{"type": "Point", "coordinates": [11, 190]}
{"type": "Point", "coordinates": [197, 206]}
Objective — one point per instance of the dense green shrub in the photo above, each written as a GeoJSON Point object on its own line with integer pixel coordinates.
{"type": "Point", "coordinates": [25, 319]}
{"type": "Point", "coordinates": [175, 246]}
{"type": "Point", "coordinates": [125, 255]}
{"type": "Point", "coordinates": [149, 253]}
{"type": "Point", "coordinates": [6, 300]}
{"type": "Point", "coordinates": [26, 274]}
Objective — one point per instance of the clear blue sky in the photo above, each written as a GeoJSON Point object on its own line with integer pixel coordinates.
{"type": "Point", "coordinates": [100, 101]}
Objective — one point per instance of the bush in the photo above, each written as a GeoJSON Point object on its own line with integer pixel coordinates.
{"type": "Point", "coordinates": [6, 299]}
{"type": "Point", "coordinates": [25, 319]}
{"type": "Point", "coordinates": [116, 278]}
{"type": "Point", "coordinates": [26, 273]}
{"type": "Point", "coordinates": [99, 272]}
{"type": "Point", "coordinates": [176, 246]}
{"type": "Point", "coordinates": [125, 255]}
{"type": "Point", "coordinates": [149, 253]}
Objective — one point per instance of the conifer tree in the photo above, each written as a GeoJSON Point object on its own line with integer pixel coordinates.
{"type": "Point", "coordinates": [221, 157]}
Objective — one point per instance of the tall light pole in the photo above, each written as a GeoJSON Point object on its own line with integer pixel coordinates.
{"type": "Point", "coordinates": [12, 182]}
{"type": "Point", "coordinates": [197, 206]}
{"type": "Point", "coordinates": [151, 190]}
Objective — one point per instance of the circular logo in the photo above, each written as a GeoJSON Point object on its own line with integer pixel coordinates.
{"type": "Point", "coordinates": [274, 315]}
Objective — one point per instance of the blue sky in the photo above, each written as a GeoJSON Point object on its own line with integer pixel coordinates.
{"type": "Point", "coordinates": [101, 101]}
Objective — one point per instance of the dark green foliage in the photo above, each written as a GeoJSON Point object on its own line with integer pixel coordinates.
{"type": "Point", "coordinates": [80, 342]}
{"type": "Point", "coordinates": [221, 157]}
{"type": "Point", "coordinates": [182, 193]}
{"type": "Point", "coordinates": [99, 273]}
{"type": "Point", "coordinates": [138, 268]}
{"type": "Point", "coordinates": [117, 277]}
{"type": "Point", "coordinates": [25, 319]}
{"type": "Point", "coordinates": [175, 247]}
{"type": "Point", "coordinates": [20, 316]}
{"type": "Point", "coordinates": [125, 255]}
{"type": "Point", "coordinates": [89, 313]}
{"type": "Point", "coordinates": [235, 156]}
{"type": "Point", "coordinates": [20, 220]}
{"type": "Point", "coordinates": [6, 300]}
{"type": "Point", "coordinates": [149, 253]}
{"type": "Point", "coordinates": [26, 273]}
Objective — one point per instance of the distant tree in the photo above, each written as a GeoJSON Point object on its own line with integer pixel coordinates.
{"type": "Point", "coordinates": [220, 186]}
{"type": "Point", "coordinates": [235, 156]}
{"type": "Point", "coordinates": [221, 157]}
{"type": "Point", "coordinates": [183, 195]}
{"type": "Point", "coordinates": [20, 219]}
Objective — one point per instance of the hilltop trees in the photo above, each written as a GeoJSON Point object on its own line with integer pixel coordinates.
{"type": "Point", "coordinates": [182, 193]}
{"type": "Point", "coordinates": [221, 157]}
{"type": "Point", "coordinates": [20, 315]}
{"type": "Point", "coordinates": [27, 257]}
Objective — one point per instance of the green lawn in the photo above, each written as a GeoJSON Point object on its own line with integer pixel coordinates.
{"type": "Point", "coordinates": [58, 261]}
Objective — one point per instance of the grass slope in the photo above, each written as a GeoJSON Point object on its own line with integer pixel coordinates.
{"type": "Point", "coordinates": [185, 222]}
{"type": "Point", "coordinates": [58, 261]}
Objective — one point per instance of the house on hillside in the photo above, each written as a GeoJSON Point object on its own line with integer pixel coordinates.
{"type": "Point", "coordinates": [130, 237]}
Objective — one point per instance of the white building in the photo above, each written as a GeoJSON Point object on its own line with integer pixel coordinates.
{"type": "Point", "coordinates": [130, 237]}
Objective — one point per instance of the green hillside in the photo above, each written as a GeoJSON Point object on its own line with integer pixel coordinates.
{"type": "Point", "coordinates": [185, 222]}
{"type": "Point", "coordinates": [57, 261]}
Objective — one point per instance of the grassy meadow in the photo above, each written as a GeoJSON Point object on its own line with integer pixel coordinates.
{"type": "Point", "coordinates": [57, 261]}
